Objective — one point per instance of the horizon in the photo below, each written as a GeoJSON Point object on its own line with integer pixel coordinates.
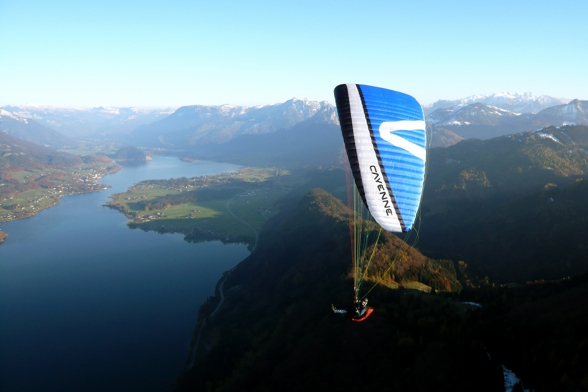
{"type": "Point", "coordinates": [145, 55]}
{"type": "Point", "coordinates": [174, 108]}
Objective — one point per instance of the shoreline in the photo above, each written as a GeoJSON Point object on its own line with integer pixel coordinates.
{"type": "Point", "coordinates": [29, 214]}
{"type": "Point", "coordinates": [82, 189]}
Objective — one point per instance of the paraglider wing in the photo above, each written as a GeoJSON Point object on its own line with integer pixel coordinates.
{"type": "Point", "coordinates": [385, 137]}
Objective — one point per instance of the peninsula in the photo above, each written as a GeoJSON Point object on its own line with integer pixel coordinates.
{"type": "Point", "coordinates": [229, 207]}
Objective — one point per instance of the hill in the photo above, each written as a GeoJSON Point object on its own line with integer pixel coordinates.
{"type": "Point", "coordinates": [443, 138]}
{"type": "Point", "coordinates": [275, 330]}
{"type": "Point", "coordinates": [17, 154]}
{"type": "Point", "coordinates": [313, 142]}
{"type": "Point", "coordinates": [34, 177]}
{"type": "Point", "coordinates": [130, 153]}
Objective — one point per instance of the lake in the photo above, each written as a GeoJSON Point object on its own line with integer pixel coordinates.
{"type": "Point", "coordinates": [87, 304]}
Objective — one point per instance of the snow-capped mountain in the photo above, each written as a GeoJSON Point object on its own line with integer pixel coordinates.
{"type": "Point", "coordinates": [191, 125]}
{"type": "Point", "coordinates": [481, 121]}
{"type": "Point", "coordinates": [31, 131]}
{"type": "Point", "coordinates": [479, 116]}
{"type": "Point", "coordinates": [514, 102]}
{"type": "Point", "coordinates": [6, 114]}
{"type": "Point", "coordinates": [473, 114]}
{"type": "Point", "coordinates": [574, 113]}
{"type": "Point", "coordinates": [83, 122]}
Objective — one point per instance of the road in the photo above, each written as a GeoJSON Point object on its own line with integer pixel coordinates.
{"type": "Point", "coordinates": [194, 347]}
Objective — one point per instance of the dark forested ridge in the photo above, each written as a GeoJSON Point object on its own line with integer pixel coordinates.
{"type": "Point", "coordinates": [539, 330]}
{"type": "Point", "coordinates": [514, 207]}
{"type": "Point", "coordinates": [275, 330]}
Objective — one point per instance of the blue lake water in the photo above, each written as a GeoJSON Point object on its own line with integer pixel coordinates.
{"type": "Point", "coordinates": [87, 304]}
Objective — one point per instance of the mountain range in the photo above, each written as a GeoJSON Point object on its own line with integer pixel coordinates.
{"type": "Point", "coordinates": [513, 102]}
{"type": "Point", "coordinates": [471, 117]}
{"type": "Point", "coordinates": [192, 127]}
{"type": "Point", "coordinates": [199, 125]}
{"type": "Point", "coordinates": [481, 121]}
{"type": "Point", "coordinates": [99, 123]}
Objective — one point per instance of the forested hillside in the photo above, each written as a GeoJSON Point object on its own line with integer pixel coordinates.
{"type": "Point", "coordinates": [17, 154]}
{"type": "Point", "coordinates": [538, 330]}
{"type": "Point", "coordinates": [513, 207]}
{"type": "Point", "coordinates": [275, 329]}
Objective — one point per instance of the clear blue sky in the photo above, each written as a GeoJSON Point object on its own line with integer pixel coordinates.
{"type": "Point", "coordinates": [175, 53]}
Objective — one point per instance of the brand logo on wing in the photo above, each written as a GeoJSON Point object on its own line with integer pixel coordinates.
{"type": "Point", "coordinates": [386, 203]}
{"type": "Point", "coordinates": [388, 128]}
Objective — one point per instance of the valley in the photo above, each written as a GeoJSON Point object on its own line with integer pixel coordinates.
{"type": "Point", "coordinates": [502, 224]}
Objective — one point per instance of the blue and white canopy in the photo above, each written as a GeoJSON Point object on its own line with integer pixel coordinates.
{"type": "Point", "coordinates": [385, 138]}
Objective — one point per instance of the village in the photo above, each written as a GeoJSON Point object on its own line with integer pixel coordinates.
{"type": "Point", "coordinates": [43, 189]}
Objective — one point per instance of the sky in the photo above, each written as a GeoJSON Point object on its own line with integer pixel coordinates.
{"type": "Point", "coordinates": [177, 53]}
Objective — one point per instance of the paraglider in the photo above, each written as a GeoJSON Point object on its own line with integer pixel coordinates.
{"type": "Point", "coordinates": [358, 312]}
{"type": "Point", "coordinates": [385, 139]}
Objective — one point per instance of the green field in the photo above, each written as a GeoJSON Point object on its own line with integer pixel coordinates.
{"type": "Point", "coordinates": [24, 175]}
{"type": "Point", "coordinates": [29, 201]}
{"type": "Point", "coordinates": [98, 148]}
